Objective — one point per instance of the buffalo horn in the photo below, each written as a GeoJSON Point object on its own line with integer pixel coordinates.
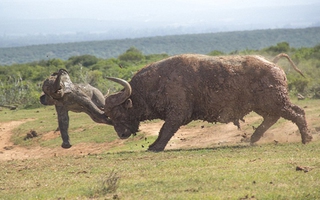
{"type": "Point", "coordinates": [127, 89]}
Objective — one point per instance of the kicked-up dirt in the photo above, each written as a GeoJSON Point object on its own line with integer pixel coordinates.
{"type": "Point", "coordinates": [199, 135]}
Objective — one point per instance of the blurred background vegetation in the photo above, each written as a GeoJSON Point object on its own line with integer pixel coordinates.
{"type": "Point", "coordinates": [20, 84]}
{"type": "Point", "coordinates": [171, 45]}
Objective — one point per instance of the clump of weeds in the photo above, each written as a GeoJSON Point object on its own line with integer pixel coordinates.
{"type": "Point", "coordinates": [106, 185]}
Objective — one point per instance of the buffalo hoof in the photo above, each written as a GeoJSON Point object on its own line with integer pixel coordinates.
{"type": "Point", "coordinates": [66, 145]}
{"type": "Point", "coordinates": [155, 150]}
{"type": "Point", "coordinates": [306, 139]}
{"type": "Point", "coordinates": [253, 144]}
{"type": "Point", "coordinates": [255, 138]}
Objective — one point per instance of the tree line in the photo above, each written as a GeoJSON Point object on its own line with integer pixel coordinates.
{"type": "Point", "coordinates": [20, 84]}
{"type": "Point", "coordinates": [171, 45]}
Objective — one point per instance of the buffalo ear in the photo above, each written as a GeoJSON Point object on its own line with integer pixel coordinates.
{"type": "Point", "coordinates": [128, 103]}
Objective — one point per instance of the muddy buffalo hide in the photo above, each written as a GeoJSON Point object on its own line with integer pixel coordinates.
{"type": "Point", "coordinates": [190, 87]}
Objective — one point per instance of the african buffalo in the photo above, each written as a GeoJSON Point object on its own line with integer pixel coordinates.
{"type": "Point", "coordinates": [61, 92]}
{"type": "Point", "coordinates": [189, 87]}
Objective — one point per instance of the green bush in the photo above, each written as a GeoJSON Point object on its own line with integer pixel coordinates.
{"type": "Point", "coordinates": [132, 55]}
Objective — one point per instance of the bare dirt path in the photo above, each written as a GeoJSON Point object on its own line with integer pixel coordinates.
{"type": "Point", "coordinates": [9, 151]}
{"type": "Point", "coordinates": [199, 136]}
{"type": "Point", "coordinates": [5, 129]}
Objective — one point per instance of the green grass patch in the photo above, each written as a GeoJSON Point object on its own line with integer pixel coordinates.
{"type": "Point", "coordinates": [262, 172]}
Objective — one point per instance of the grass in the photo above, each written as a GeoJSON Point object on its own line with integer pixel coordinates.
{"type": "Point", "coordinates": [105, 186]}
{"type": "Point", "coordinates": [262, 172]}
{"type": "Point", "coordinates": [266, 171]}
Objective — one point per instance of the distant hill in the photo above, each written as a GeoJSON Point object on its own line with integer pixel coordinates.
{"type": "Point", "coordinates": [175, 44]}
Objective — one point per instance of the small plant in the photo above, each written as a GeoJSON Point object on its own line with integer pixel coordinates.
{"type": "Point", "coordinates": [106, 185]}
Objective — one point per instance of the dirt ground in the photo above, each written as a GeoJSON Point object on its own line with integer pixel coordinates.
{"type": "Point", "coordinates": [205, 136]}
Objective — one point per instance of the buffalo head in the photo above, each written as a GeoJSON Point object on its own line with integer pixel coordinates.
{"type": "Point", "coordinates": [118, 107]}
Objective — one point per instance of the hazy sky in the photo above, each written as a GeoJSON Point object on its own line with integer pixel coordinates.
{"type": "Point", "coordinates": [151, 13]}
{"type": "Point", "coordinates": [126, 9]}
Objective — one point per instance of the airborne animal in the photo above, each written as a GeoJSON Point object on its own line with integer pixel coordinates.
{"type": "Point", "coordinates": [189, 87]}
{"type": "Point", "coordinates": [66, 96]}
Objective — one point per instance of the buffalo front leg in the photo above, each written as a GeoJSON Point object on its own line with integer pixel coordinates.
{"type": "Point", "coordinates": [167, 131]}
{"type": "Point", "coordinates": [63, 121]}
{"type": "Point", "coordinates": [268, 121]}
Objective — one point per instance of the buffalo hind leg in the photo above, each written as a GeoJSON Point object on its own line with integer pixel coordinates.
{"type": "Point", "coordinates": [268, 121]}
{"type": "Point", "coordinates": [297, 115]}
{"type": "Point", "coordinates": [166, 132]}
